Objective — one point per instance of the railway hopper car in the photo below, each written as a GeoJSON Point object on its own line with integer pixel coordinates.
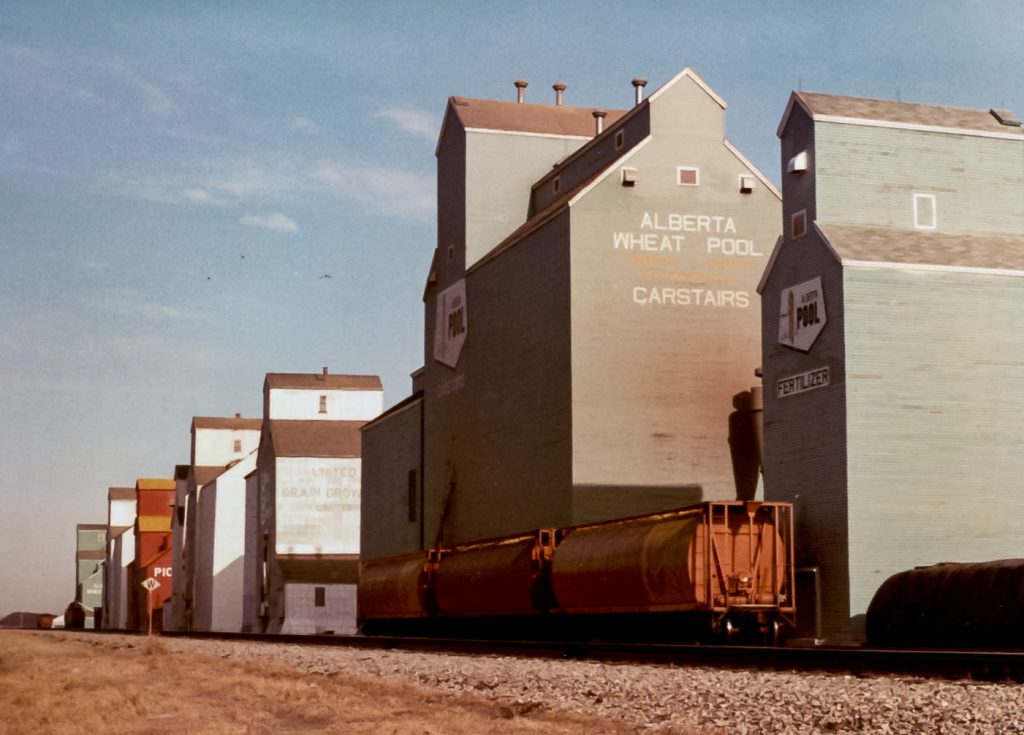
{"type": "Point", "coordinates": [730, 563]}
{"type": "Point", "coordinates": [714, 567]}
{"type": "Point", "coordinates": [951, 605]}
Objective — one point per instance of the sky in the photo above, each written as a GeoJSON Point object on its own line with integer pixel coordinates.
{"type": "Point", "coordinates": [195, 194]}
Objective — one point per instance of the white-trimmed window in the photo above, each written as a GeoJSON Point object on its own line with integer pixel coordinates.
{"type": "Point", "coordinates": [925, 214]}
{"type": "Point", "coordinates": [798, 224]}
{"type": "Point", "coordinates": [323, 404]}
{"type": "Point", "coordinates": [628, 176]}
{"type": "Point", "coordinates": [747, 183]}
{"type": "Point", "coordinates": [687, 176]}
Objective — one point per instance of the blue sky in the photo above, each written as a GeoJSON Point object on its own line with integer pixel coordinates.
{"type": "Point", "coordinates": [176, 179]}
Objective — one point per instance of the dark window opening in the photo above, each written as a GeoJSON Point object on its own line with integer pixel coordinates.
{"type": "Point", "coordinates": [238, 445]}
{"type": "Point", "coordinates": [319, 596]}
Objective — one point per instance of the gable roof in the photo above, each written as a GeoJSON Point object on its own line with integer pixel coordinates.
{"type": "Point", "coordinates": [862, 110]}
{"type": "Point", "coordinates": [217, 422]}
{"type": "Point", "coordinates": [292, 438]}
{"type": "Point", "coordinates": [205, 474]}
{"type": "Point", "coordinates": [859, 244]}
{"type": "Point", "coordinates": [525, 117]}
{"type": "Point", "coordinates": [120, 493]}
{"type": "Point", "coordinates": [315, 381]}
{"type": "Point", "coordinates": [149, 483]}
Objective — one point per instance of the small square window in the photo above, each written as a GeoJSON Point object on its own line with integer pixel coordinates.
{"type": "Point", "coordinates": [238, 445]}
{"type": "Point", "coordinates": [747, 184]}
{"type": "Point", "coordinates": [628, 176]}
{"type": "Point", "coordinates": [798, 224]}
{"type": "Point", "coordinates": [319, 596]}
{"type": "Point", "coordinates": [323, 404]}
{"type": "Point", "coordinates": [687, 176]}
{"type": "Point", "coordinates": [925, 216]}
{"type": "Point", "coordinates": [620, 139]}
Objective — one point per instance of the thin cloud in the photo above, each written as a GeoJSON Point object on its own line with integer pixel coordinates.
{"type": "Point", "coordinates": [155, 99]}
{"type": "Point", "coordinates": [276, 222]}
{"type": "Point", "coordinates": [382, 190]}
{"type": "Point", "coordinates": [410, 120]}
{"type": "Point", "coordinates": [301, 124]}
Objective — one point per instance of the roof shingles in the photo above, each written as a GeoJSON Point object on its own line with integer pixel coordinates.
{"type": "Point", "coordinates": [913, 247]}
{"type": "Point", "coordinates": [905, 113]}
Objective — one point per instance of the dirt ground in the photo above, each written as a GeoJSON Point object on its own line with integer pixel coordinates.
{"type": "Point", "coordinates": [51, 682]}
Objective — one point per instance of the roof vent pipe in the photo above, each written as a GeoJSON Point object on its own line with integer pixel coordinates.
{"type": "Point", "coordinates": [520, 90]}
{"type": "Point", "coordinates": [559, 88]}
{"type": "Point", "coordinates": [599, 116]}
{"type": "Point", "coordinates": [638, 90]}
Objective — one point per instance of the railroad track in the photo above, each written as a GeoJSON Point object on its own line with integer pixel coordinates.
{"type": "Point", "coordinates": [980, 665]}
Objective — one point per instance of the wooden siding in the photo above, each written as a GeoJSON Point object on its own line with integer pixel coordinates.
{"type": "Point", "coordinates": [868, 175]}
{"type": "Point", "coordinates": [935, 401]}
{"type": "Point", "coordinates": [805, 434]}
{"type": "Point", "coordinates": [798, 189]}
{"type": "Point", "coordinates": [500, 168]}
{"type": "Point", "coordinates": [391, 449]}
{"type": "Point", "coordinates": [498, 425]}
{"type": "Point", "coordinates": [654, 378]}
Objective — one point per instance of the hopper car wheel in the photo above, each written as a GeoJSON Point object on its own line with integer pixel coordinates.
{"type": "Point", "coordinates": [773, 636]}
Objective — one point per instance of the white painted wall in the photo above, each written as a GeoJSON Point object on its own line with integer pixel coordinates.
{"type": "Point", "coordinates": [122, 554]}
{"type": "Point", "coordinates": [122, 512]}
{"type": "Point", "coordinates": [342, 405]}
{"type": "Point", "coordinates": [252, 566]}
{"type": "Point", "coordinates": [317, 505]}
{"type": "Point", "coordinates": [219, 580]}
{"type": "Point", "coordinates": [216, 447]}
{"type": "Point", "coordinates": [302, 617]}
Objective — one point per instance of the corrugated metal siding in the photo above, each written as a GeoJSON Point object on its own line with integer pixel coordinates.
{"type": "Point", "coordinates": [867, 175]}
{"type": "Point", "coordinates": [935, 383]}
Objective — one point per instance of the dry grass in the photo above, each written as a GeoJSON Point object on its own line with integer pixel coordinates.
{"type": "Point", "coordinates": [57, 683]}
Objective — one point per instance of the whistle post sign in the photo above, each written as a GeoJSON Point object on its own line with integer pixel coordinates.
{"type": "Point", "coordinates": [802, 315]}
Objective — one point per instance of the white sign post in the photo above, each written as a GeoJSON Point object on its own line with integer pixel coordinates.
{"type": "Point", "coordinates": [150, 584]}
{"type": "Point", "coordinates": [802, 314]}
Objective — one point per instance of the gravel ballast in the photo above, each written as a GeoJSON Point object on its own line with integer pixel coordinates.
{"type": "Point", "coordinates": [669, 698]}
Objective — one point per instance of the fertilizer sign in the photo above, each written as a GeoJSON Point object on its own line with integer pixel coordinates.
{"type": "Point", "coordinates": [802, 315]}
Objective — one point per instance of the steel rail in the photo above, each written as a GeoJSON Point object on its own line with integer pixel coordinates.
{"type": "Point", "coordinates": [981, 665]}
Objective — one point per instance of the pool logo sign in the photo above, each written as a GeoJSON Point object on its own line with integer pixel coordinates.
{"type": "Point", "coordinates": [802, 315]}
{"type": "Point", "coordinates": [450, 324]}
